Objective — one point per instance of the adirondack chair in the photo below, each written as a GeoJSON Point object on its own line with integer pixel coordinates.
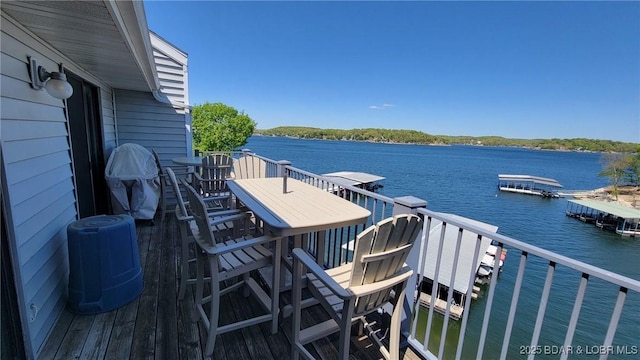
{"type": "Point", "coordinates": [249, 167]}
{"type": "Point", "coordinates": [377, 276]}
{"type": "Point", "coordinates": [212, 178]}
{"type": "Point", "coordinates": [183, 217]}
{"type": "Point", "coordinates": [229, 258]}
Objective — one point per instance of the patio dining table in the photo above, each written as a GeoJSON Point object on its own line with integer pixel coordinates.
{"type": "Point", "coordinates": [298, 211]}
{"type": "Point", "coordinates": [188, 160]}
{"type": "Point", "coordinates": [302, 209]}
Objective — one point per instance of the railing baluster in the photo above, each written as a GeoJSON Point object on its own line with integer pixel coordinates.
{"type": "Point", "coordinates": [468, 298]}
{"type": "Point", "coordinates": [514, 305]}
{"type": "Point", "coordinates": [487, 309]}
{"type": "Point", "coordinates": [434, 285]}
{"type": "Point", "coordinates": [426, 226]}
{"type": "Point", "coordinates": [542, 308]}
{"type": "Point", "coordinates": [575, 314]}
{"type": "Point", "coordinates": [447, 312]}
{"type": "Point", "coordinates": [613, 324]}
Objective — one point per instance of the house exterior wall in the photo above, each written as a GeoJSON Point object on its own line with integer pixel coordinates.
{"type": "Point", "coordinates": [39, 198]}
{"type": "Point", "coordinates": [164, 127]}
{"type": "Point", "coordinates": [37, 176]}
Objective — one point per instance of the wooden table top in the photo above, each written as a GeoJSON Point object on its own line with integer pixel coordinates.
{"type": "Point", "coordinates": [188, 160]}
{"type": "Point", "coordinates": [303, 208]}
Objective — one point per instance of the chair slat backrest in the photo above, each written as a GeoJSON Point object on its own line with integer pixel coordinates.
{"type": "Point", "coordinates": [199, 213]}
{"type": "Point", "coordinates": [380, 252]}
{"type": "Point", "coordinates": [176, 189]}
{"type": "Point", "coordinates": [216, 168]}
{"type": "Point", "coordinates": [249, 167]}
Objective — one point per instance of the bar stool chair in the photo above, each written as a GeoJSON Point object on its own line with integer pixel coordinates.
{"type": "Point", "coordinates": [228, 258]}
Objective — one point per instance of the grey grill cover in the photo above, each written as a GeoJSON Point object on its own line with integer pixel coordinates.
{"type": "Point", "coordinates": [132, 176]}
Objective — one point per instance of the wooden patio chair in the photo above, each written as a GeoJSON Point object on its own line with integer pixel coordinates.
{"type": "Point", "coordinates": [162, 204]}
{"type": "Point", "coordinates": [377, 276]}
{"type": "Point", "coordinates": [183, 217]}
{"type": "Point", "coordinates": [249, 167]}
{"type": "Point", "coordinates": [213, 175]}
{"type": "Point", "coordinates": [229, 258]}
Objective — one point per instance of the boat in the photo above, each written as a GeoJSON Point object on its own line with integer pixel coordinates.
{"type": "Point", "coordinates": [487, 264]}
{"type": "Point", "coordinates": [530, 185]}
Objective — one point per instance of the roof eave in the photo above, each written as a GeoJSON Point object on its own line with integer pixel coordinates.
{"type": "Point", "coordinates": [130, 19]}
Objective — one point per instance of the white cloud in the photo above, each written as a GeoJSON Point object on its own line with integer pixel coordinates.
{"type": "Point", "coordinates": [382, 107]}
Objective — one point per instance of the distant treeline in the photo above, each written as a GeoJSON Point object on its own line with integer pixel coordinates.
{"type": "Point", "coordinates": [418, 137]}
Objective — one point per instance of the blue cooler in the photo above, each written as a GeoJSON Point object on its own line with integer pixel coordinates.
{"type": "Point", "coordinates": [104, 265]}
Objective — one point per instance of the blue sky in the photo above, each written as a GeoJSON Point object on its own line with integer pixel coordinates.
{"type": "Point", "coordinates": [512, 69]}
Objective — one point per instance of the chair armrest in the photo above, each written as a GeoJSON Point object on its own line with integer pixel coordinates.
{"type": "Point", "coordinates": [319, 272]}
{"type": "Point", "coordinates": [181, 217]}
{"type": "Point", "coordinates": [220, 249]}
{"type": "Point", "coordinates": [227, 213]}
{"type": "Point", "coordinates": [224, 219]}
{"type": "Point", "coordinates": [362, 290]}
{"type": "Point", "coordinates": [215, 198]}
{"type": "Point", "coordinates": [212, 214]}
{"type": "Point", "coordinates": [227, 248]}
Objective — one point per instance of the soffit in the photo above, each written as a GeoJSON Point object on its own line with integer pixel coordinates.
{"type": "Point", "coordinates": [87, 34]}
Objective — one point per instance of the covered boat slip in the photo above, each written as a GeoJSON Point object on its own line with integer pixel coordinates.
{"type": "Point", "coordinates": [465, 267]}
{"type": "Point", "coordinates": [623, 220]}
{"type": "Point", "coordinates": [527, 184]}
{"type": "Point", "coordinates": [352, 178]}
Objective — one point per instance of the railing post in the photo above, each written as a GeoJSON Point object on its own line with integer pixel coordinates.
{"type": "Point", "coordinates": [281, 170]}
{"type": "Point", "coordinates": [246, 152]}
{"type": "Point", "coordinates": [410, 205]}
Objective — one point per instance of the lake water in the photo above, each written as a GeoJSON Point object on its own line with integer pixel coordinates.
{"type": "Point", "coordinates": [463, 180]}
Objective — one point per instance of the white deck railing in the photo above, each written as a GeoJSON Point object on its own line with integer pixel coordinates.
{"type": "Point", "coordinates": [433, 343]}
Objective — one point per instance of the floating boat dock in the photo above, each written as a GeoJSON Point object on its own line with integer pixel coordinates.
{"type": "Point", "coordinates": [530, 185]}
{"type": "Point", "coordinates": [624, 221]}
{"type": "Point", "coordinates": [464, 267]}
{"type": "Point", "coordinates": [352, 178]}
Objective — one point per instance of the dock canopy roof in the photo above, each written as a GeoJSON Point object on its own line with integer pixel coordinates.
{"type": "Point", "coordinates": [609, 208]}
{"type": "Point", "coordinates": [352, 178]}
{"type": "Point", "coordinates": [529, 178]}
{"type": "Point", "coordinates": [465, 258]}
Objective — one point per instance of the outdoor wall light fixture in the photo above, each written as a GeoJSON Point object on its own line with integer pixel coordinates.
{"type": "Point", "coordinates": [55, 83]}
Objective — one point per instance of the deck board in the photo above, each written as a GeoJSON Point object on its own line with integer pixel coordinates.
{"type": "Point", "coordinates": [157, 325]}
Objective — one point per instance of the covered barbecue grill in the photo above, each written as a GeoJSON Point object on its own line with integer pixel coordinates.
{"type": "Point", "coordinates": [132, 176]}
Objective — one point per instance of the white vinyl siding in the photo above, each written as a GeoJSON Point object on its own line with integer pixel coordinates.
{"type": "Point", "coordinates": [108, 122]}
{"type": "Point", "coordinates": [38, 187]}
{"type": "Point", "coordinates": [145, 121]}
{"type": "Point", "coordinates": [39, 197]}
{"type": "Point", "coordinates": [163, 127]}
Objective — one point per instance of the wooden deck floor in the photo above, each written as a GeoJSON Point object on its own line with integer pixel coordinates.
{"type": "Point", "coordinates": [158, 326]}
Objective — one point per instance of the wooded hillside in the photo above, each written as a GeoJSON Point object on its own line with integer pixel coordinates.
{"type": "Point", "coordinates": [418, 137]}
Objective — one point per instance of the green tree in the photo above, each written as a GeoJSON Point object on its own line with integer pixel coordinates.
{"type": "Point", "coordinates": [632, 172]}
{"type": "Point", "coordinates": [219, 127]}
{"type": "Point", "coordinates": [615, 166]}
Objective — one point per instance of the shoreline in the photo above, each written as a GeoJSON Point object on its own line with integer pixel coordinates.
{"type": "Point", "coordinates": [443, 144]}
{"type": "Point", "coordinates": [628, 195]}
